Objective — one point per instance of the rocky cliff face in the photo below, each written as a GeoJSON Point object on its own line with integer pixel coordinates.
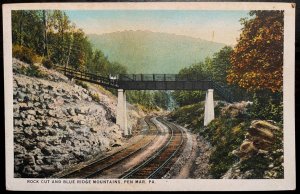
{"type": "Point", "coordinates": [261, 153]}
{"type": "Point", "coordinates": [58, 123]}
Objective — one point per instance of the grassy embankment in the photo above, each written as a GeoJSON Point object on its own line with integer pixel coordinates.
{"type": "Point", "coordinates": [226, 133]}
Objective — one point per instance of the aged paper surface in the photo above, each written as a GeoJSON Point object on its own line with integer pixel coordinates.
{"type": "Point", "coordinates": [28, 178]}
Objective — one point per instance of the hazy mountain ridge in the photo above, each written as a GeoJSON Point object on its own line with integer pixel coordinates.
{"type": "Point", "coordinates": [153, 52]}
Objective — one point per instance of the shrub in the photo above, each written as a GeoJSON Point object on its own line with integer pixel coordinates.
{"type": "Point", "coordinates": [95, 97]}
{"type": "Point", "coordinates": [25, 54]}
{"type": "Point", "coordinates": [193, 115]}
{"type": "Point", "coordinates": [225, 135]}
{"type": "Point", "coordinates": [267, 106]}
{"type": "Point", "coordinates": [48, 63]}
{"type": "Point", "coordinates": [82, 84]}
{"type": "Point", "coordinates": [34, 71]}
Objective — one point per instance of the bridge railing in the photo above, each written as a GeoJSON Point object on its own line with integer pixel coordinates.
{"type": "Point", "coordinates": [223, 91]}
{"type": "Point", "coordinates": [160, 77]}
{"type": "Point", "coordinates": [231, 94]}
{"type": "Point", "coordinates": [83, 75]}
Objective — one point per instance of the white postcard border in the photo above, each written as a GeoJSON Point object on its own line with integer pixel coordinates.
{"type": "Point", "coordinates": [289, 181]}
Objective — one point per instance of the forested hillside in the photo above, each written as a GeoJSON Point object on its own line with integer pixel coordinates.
{"type": "Point", "coordinates": [49, 37]}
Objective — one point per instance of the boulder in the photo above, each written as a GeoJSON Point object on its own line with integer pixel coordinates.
{"type": "Point", "coordinates": [235, 110]}
{"type": "Point", "coordinates": [28, 122]}
{"type": "Point", "coordinates": [247, 147]}
{"type": "Point", "coordinates": [39, 162]}
{"type": "Point", "coordinates": [20, 96]}
{"type": "Point", "coordinates": [46, 96]}
{"type": "Point", "coordinates": [28, 132]}
{"type": "Point", "coordinates": [84, 96]}
{"type": "Point", "coordinates": [56, 150]}
{"type": "Point", "coordinates": [52, 132]}
{"type": "Point", "coordinates": [55, 125]}
{"type": "Point", "coordinates": [18, 161]}
{"type": "Point", "coordinates": [93, 130]}
{"type": "Point", "coordinates": [51, 113]}
{"type": "Point", "coordinates": [71, 111]}
{"type": "Point", "coordinates": [41, 145]}
{"type": "Point", "coordinates": [29, 145]}
{"type": "Point", "coordinates": [40, 112]}
{"type": "Point", "coordinates": [48, 123]}
{"type": "Point", "coordinates": [18, 122]}
{"type": "Point", "coordinates": [47, 150]}
{"type": "Point", "coordinates": [35, 87]}
{"type": "Point", "coordinates": [62, 125]}
{"type": "Point", "coordinates": [23, 106]}
{"type": "Point", "coordinates": [259, 138]}
{"type": "Point", "coordinates": [58, 166]}
{"type": "Point", "coordinates": [29, 172]}
{"type": "Point", "coordinates": [116, 143]}
{"type": "Point", "coordinates": [48, 169]}
{"type": "Point", "coordinates": [43, 132]}
{"type": "Point", "coordinates": [50, 106]}
{"type": "Point", "coordinates": [16, 108]}
{"type": "Point", "coordinates": [30, 117]}
{"type": "Point", "coordinates": [49, 87]}
{"type": "Point", "coordinates": [37, 168]}
{"type": "Point", "coordinates": [246, 150]}
{"type": "Point", "coordinates": [262, 129]}
{"type": "Point", "coordinates": [104, 144]}
{"type": "Point", "coordinates": [19, 150]}
{"type": "Point", "coordinates": [79, 110]}
{"type": "Point", "coordinates": [37, 104]}
{"type": "Point", "coordinates": [41, 138]}
{"type": "Point", "coordinates": [29, 159]}
{"type": "Point", "coordinates": [31, 112]}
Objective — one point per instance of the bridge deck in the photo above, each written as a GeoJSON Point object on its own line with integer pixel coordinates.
{"type": "Point", "coordinates": [150, 82]}
{"type": "Point", "coordinates": [165, 85]}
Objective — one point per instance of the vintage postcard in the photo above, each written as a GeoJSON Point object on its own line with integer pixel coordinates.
{"type": "Point", "coordinates": [149, 96]}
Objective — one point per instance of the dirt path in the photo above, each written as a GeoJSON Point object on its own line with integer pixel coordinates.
{"type": "Point", "coordinates": [194, 161]}
{"type": "Point", "coordinates": [185, 171]}
{"type": "Point", "coordinates": [200, 165]}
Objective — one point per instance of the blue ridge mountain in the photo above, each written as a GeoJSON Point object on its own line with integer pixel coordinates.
{"type": "Point", "coordinates": [153, 52]}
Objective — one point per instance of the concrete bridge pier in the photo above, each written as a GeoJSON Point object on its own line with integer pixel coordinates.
{"type": "Point", "coordinates": [209, 112]}
{"type": "Point", "coordinates": [121, 119]}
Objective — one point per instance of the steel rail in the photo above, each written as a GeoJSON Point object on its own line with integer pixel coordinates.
{"type": "Point", "coordinates": [171, 157]}
{"type": "Point", "coordinates": [155, 156]}
{"type": "Point", "coordinates": [78, 171]}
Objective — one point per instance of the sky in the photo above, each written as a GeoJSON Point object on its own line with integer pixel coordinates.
{"type": "Point", "coordinates": [217, 26]}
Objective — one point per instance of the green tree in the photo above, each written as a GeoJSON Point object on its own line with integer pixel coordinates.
{"type": "Point", "coordinates": [27, 30]}
{"type": "Point", "coordinates": [115, 68]}
{"type": "Point", "coordinates": [51, 34]}
{"type": "Point", "coordinates": [221, 64]}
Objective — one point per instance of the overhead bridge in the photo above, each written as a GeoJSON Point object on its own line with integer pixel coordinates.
{"type": "Point", "coordinates": [125, 82]}
{"type": "Point", "coordinates": [162, 82]}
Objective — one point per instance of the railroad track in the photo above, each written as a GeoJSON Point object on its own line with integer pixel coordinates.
{"type": "Point", "coordinates": [97, 167]}
{"type": "Point", "coordinates": [160, 163]}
